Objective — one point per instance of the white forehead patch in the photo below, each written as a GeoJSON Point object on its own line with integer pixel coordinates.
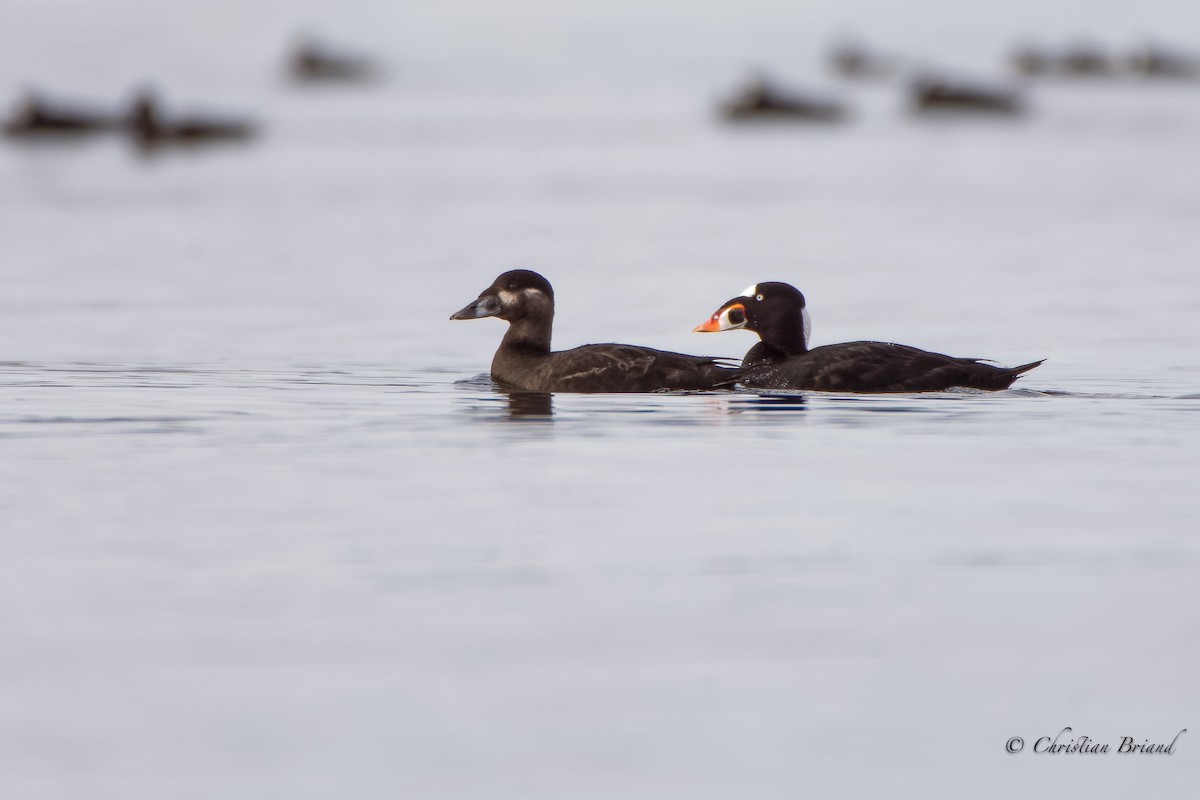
{"type": "Point", "coordinates": [750, 291]}
{"type": "Point", "coordinates": [807, 324]}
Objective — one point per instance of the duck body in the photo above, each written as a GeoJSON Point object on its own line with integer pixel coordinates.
{"type": "Point", "coordinates": [782, 359]}
{"type": "Point", "coordinates": [525, 361]}
{"type": "Point", "coordinates": [871, 367]}
{"type": "Point", "coordinates": [607, 368]}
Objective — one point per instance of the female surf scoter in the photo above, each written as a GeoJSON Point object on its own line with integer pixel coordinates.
{"type": "Point", "coordinates": [524, 360]}
{"type": "Point", "coordinates": [782, 360]}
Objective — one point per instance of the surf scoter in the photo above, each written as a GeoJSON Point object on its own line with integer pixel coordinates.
{"type": "Point", "coordinates": [36, 116]}
{"type": "Point", "coordinates": [1156, 61]}
{"type": "Point", "coordinates": [1077, 60]}
{"type": "Point", "coordinates": [315, 61]}
{"type": "Point", "coordinates": [149, 128]}
{"type": "Point", "coordinates": [525, 300]}
{"type": "Point", "coordinates": [761, 99]}
{"type": "Point", "coordinates": [853, 59]}
{"type": "Point", "coordinates": [935, 93]}
{"type": "Point", "coordinates": [782, 360]}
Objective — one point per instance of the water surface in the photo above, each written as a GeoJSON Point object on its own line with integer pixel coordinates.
{"type": "Point", "coordinates": [268, 530]}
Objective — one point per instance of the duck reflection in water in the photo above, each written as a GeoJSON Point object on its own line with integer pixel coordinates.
{"type": "Point", "coordinates": [753, 403]}
{"type": "Point", "coordinates": [530, 405]}
{"type": "Point", "coordinates": [524, 405]}
{"type": "Point", "coordinates": [776, 402]}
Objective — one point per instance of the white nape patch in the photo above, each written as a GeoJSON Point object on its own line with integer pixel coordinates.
{"type": "Point", "coordinates": [750, 291]}
{"type": "Point", "coordinates": [807, 324]}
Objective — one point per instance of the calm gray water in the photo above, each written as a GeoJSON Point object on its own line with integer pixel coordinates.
{"type": "Point", "coordinates": [267, 529]}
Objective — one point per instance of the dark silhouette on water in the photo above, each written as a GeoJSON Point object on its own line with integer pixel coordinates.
{"type": "Point", "coordinates": [524, 360]}
{"type": "Point", "coordinates": [1028, 59]}
{"type": "Point", "coordinates": [34, 115]}
{"type": "Point", "coordinates": [759, 99]}
{"type": "Point", "coordinates": [150, 128]}
{"type": "Point", "coordinates": [1153, 60]}
{"type": "Point", "coordinates": [851, 58]}
{"type": "Point", "coordinates": [530, 405]}
{"type": "Point", "coordinates": [1076, 60]}
{"type": "Point", "coordinates": [932, 93]}
{"type": "Point", "coordinates": [1087, 60]}
{"type": "Point", "coordinates": [782, 359]}
{"type": "Point", "coordinates": [317, 62]}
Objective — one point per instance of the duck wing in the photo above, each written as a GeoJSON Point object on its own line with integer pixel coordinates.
{"type": "Point", "coordinates": [879, 367]}
{"type": "Point", "coordinates": [630, 368]}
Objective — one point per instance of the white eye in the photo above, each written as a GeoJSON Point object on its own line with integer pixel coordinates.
{"type": "Point", "coordinates": [758, 298]}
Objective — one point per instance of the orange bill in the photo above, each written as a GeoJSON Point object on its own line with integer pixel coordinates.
{"type": "Point", "coordinates": [727, 317]}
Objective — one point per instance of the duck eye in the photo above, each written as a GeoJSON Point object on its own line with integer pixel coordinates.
{"type": "Point", "coordinates": [758, 298]}
{"type": "Point", "coordinates": [512, 287]}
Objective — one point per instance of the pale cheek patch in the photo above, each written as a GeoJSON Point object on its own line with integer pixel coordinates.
{"type": "Point", "coordinates": [511, 299]}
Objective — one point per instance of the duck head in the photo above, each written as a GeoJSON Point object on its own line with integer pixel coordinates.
{"type": "Point", "coordinates": [775, 311]}
{"type": "Point", "coordinates": [516, 294]}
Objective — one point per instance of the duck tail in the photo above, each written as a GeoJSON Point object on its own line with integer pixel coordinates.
{"type": "Point", "coordinates": [1012, 374]}
{"type": "Point", "coordinates": [1026, 367]}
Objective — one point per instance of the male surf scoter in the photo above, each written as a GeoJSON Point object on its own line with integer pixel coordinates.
{"type": "Point", "coordinates": [524, 360]}
{"type": "Point", "coordinates": [782, 360]}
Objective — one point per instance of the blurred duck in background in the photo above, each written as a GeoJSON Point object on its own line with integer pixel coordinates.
{"type": "Point", "coordinates": [317, 62]}
{"type": "Point", "coordinates": [760, 99]}
{"type": "Point", "coordinates": [937, 93]}
{"type": "Point", "coordinates": [34, 115]}
{"type": "Point", "coordinates": [1077, 60]}
{"type": "Point", "coordinates": [1028, 59]}
{"type": "Point", "coordinates": [1154, 60]}
{"type": "Point", "coordinates": [150, 128]}
{"type": "Point", "coordinates": [1089, 60]}
{"type": "Point", "coordinates": [851, 58]}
